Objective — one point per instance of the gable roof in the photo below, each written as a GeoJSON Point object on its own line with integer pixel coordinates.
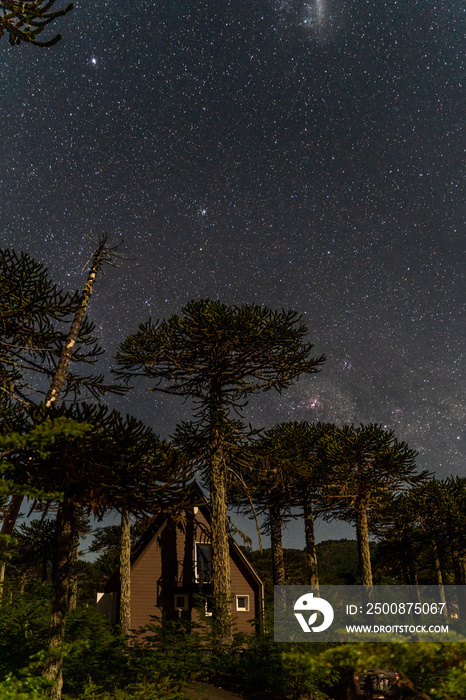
{"type": "Point", "coordinates": [197, 499]}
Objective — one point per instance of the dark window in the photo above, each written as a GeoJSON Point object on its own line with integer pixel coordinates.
{"type": "Point", "coordinates": [181, 602]}
{"type": "Point", "coordinates": [242, 603]}
{"type": "Point", "coordinates": [203, 562]}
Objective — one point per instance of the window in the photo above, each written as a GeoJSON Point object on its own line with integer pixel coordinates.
{"type": "Point", "coordinates": [203, 562]}
{"type": "Point", "coordinates": [242, 603]}
{"type": "Point", "coordinates": [208, 607]}
{"type": "Point", "coordinates": [181, 602]}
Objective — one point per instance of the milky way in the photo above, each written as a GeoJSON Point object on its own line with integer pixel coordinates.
{"type": "Point", "coordinates": [295, 154]}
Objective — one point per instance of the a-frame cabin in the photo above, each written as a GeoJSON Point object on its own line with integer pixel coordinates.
{"type": "Point", "coordinates": [171, 574]}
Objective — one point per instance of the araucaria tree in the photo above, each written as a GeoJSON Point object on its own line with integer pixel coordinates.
{"type": "Point", "coordinates": [295, 449]}
{"type": "Point", "coordinates": [266, 487]}
{"type": "Point", "coordinates": [94, 459]}
{"type": "Point", "coordinates": [218, 355]}
{"type": "Point", "coordinates": [368, 465]}
{"type": "Point", "coordinates": [35, 346]}
{"type": "Point", "coordinates": [24, 20]}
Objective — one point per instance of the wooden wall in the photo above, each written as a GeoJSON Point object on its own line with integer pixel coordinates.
{"type": "Point", "coordinates": [169, 556]}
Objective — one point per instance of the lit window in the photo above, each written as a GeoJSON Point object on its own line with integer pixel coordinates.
{"type": "Point", "coordinates": [203, 562]}
{"type": "Point", "coordinates": [208, 607]}
{"type": "Point", "coordinates": [242, 603]}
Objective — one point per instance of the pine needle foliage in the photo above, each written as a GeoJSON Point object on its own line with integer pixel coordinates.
{"type": "Point", "coordinates": [242, 349]}
{"type": "Point", "coordinates": [367, 462]}
{"type": "Point", "coordinates": [217, 356]}
{"type": "Point", "coordinates": [295, 468]}
{"type": "Point", "coordinates": [24, 20]}
{"type": "Point", "coordinates": [103, 461]}
{"type": "Point", "coordinates": [369, 465]}
{"type": "Point", "coordinates": [34, 313]}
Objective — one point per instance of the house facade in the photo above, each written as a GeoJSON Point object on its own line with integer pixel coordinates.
{"type": "Point", "coordinates": [171, 574]}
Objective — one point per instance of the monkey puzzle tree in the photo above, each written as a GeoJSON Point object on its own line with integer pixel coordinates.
{"type": "Point", "coordinates": [427, 509]}
{"type": "Point", "coordinates": [439, 509]}
{"type": "Point", "coordinates": [97, 461]}
{"type": "Point", "coordinates": [454, 490]}
{"type": "Point", "coordinates": [368, 465]}
{"type": "Point", "coordinates": [36, 348]}
{"type": "Point", "coordinates": [296, 450]}
{"type": "Point", "coordinates": [34, 550]}
{"type": "Point", "coordinates": [219, 355]}
{"type": "Point", "coordinates": [33, 342]}
{"type": "Point", "coordinates": [424, 528]}
{"type": "Point", "coordinates": [24, 20]}
{"type": "Point", "coordinates": [265, 486]}
{"type": "Point", "coordinates": [400, 544]}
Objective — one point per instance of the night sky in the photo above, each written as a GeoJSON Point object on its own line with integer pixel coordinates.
{"type": "Point", "coordinates": [295, 154]}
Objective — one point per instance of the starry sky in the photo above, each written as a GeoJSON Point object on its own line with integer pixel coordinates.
{"type": "Point", "coordinates": [302, 154]}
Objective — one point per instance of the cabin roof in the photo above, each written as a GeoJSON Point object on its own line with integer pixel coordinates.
{"type": "Point", "coordinates": [197, 498]}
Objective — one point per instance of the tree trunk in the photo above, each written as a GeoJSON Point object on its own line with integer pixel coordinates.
{"type": "Point", "coordinates": [59, 376]}
{"type": "Point", "coordinates": [74, 558]}
{"type": "Point", "coordinates": [11, 515]}
{"type": "Point", "coordinates": [221, 587]}
{"type": "Point", "coordinates": [364, 552]}
{"type": "Point", "coordinates": [2, 579]}
{"type": "Point", "coordinates": [404, 572]}
{"type": "Point", "coordinates": [410, 572]}
{"type": "Point", "coordinates": [311, 552]}
{"type": "Point", "coordinates": [53, 668]}
{"type": "Point", "coordinates": [459, 570]}
{"type": "Point", "coordinates": [459, 567]}
{"type": "Point", "coordinates": [438, 573]}
{"type": "Point", "coordinates": [60, 373]}
{"type": "Point", "coordinates": [412, 564]}
{"type": "Point", "coordinates": [462, 590]}
{"type": "Point", "coordinates": [278, 566]}
{"type": "Point", "coordinates": [362, 534]}
{"type": "Point", "coordinates": [8, 526]}
{"type": "Point", "coordinates": [125, 573]}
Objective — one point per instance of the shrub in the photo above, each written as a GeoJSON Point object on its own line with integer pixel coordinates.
{"type": "Point", "coordinates": [24, 622]}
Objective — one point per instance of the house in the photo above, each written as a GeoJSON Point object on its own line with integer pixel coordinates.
{"type": "Point", "coordinates": [171, 574]}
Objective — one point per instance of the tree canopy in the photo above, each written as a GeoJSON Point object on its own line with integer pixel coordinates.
{"type": "Point", "coordinates": [236, 350]}
{"type": "Point", "coordinates": [369, 465]}
{"type": "Point", "coordinates": [33, 314]}
{"type": "Point", "coordinates": [24, 20]}
{"type": "Point", "coordinates": [218, 356]}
